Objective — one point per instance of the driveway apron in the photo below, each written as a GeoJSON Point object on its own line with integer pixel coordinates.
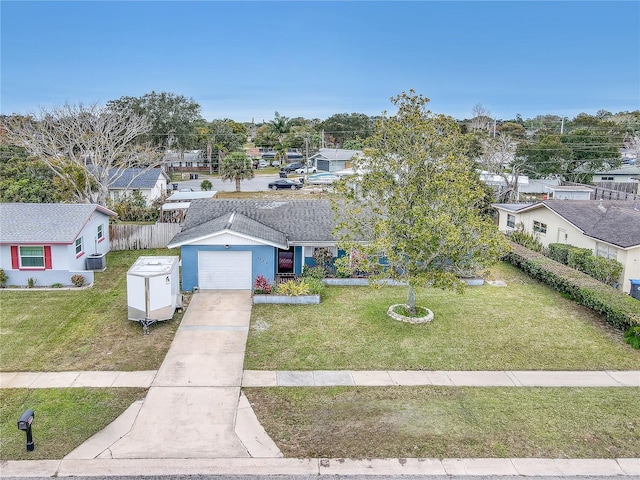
{"type": "Point", "coordinates": [191, 407]}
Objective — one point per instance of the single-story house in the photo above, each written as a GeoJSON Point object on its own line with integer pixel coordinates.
{"type": "Point", "coordinates": [151, 183]}
{"type": "Point", "coordinates": [188, 158]}
{"type": "Point", "coordinates": [611, 229]}
{"type": "Point", "coordinates": [333, 159]}
{"type": "Point", "coordinates": [624, 174]}
{"type": "Point", "coordinates": [226, 244]}
{"type": "Point", "coordinates": [50, 242]}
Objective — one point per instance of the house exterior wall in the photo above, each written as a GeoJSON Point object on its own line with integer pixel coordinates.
{"type": "Point", "coordinates": [65, 262]}
{"type": "Point", "coordinates": [561, 231]}
{"type": "Point", "coordinates": [263, 261]}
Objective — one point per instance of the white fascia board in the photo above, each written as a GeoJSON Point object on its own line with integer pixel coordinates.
{"type": "Point", "coordinates": [229, 232]}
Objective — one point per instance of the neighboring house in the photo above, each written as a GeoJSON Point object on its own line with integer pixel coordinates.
{"type": "Point", "coordinates": [176, 206]}
{"type": "Point", "coordinates": [611, 229]}
{"type": "Point", "coordinates": [50, 242]}
{"type": "Point", "coordinates": [333, 159]}
{"type": "Point", "coordinates": [226, 244]}
{"type": "Point", "coordinates": [570, 192]}
{"type": "Point", "coordinates": [624, 174]}
{"type": "Point", "coordinates": [152, 183]}
{"type": "Point", "coordinates": [189, 158]}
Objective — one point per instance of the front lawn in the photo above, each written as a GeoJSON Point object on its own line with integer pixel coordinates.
{"type": "Point", "coordinates": [64, 418]}
{"type": "Point", "coordinates": [84, 329]}
{"type": "Point", "coordinates": [524, 326]}
{"type": "Point", "coordinates": [450, 422]}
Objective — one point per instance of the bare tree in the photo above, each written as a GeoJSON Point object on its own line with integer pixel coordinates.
{"type": "Point", "coordinates": [87, 147]}
{"type": "Point", "coordinates": [498, 157]}
{"type": "Point", "coordinates": [481, 120]}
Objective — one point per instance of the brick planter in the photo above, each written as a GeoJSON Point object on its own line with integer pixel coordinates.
{"type": "Point", "coordinates": [402, 318]}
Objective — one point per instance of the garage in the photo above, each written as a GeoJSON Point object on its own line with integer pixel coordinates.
{"type": "Point", "coordinates": [224, 270]}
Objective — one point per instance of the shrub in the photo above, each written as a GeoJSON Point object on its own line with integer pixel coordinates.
{"type": "Point", "coordinates": [3, 278]}
{"type": "Point", "coordinates": [617, 308]}
{"type": "Point", "coordinates": [293, 288]}
{"type": "Point", "coordinates": [56, 285]}
{"type": "Point", "coordinates": [528, 240]}
{"type": "Point", "coordinates": [316, 272]}
{"type": "Point", "coordinates": [77, 280]}
{"type": "Point", "coordinates": [343, 267]}
{"type": "Point", "coordinates": [602, 269]}
{"type": "Point", "coordinates": [323, 257]}
{"type": "Point", "coordinates": [261, 286]}
{"type": "Point", "coordinates": [31, 282]}
{"type": "Point", "coordinates": [632, 337]}
{"type": "Point", "coordinates": [205, 185]}
{"type": "Point", "coordinates": [316, 286]}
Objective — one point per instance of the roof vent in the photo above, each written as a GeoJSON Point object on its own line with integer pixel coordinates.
{"type": "Point", "coordinates": [601, 207]}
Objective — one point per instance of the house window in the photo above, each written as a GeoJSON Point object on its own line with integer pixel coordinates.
{"type": "Point", "coordinates": [79, 250]}
{"type": "Point", "coordinates": [539, 227]}
{"type": "Point", "coordinates": [511, 221]}
{"type": "Point", "coordinates": [606, 251]}
{"type": "Point", "coordinates": [100, 233]}
{"type": "Point", "coordinates": [607, 179]}
{"type": "Point", "coordinates": [31, 257]}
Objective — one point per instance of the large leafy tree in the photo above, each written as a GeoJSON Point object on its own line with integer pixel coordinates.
{"type": "Point", "coordinates": [86, 147]}
{"type": "Point", "coordinates": [219, 137]}
{"type": "Point", "coordinates": [343, 127]}
{"type": "Point", "coordinates": [236, 166]}
{"type": "Point", "coordinates": [416, 201]}
{"type": "Point", "coordinates": [172, 117]}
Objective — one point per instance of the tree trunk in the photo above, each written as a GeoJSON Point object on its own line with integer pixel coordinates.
{"type": "Point", "coordinates": [237, 184]}
{"type": "Point", "coordinates": [411, 300]}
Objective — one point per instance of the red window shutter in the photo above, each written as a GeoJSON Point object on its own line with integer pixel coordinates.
{"type": "Point", "coordinates": [15, 260]}
{"type": "Point", "coordinates": [47, 257]}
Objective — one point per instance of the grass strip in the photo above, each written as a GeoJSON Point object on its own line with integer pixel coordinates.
{"type": "Point", "coordinates": [64, 418]}
{"type": "Point", "coordinates": [523, 326]}
{"type": "Point", "coordinates": [450, 422]}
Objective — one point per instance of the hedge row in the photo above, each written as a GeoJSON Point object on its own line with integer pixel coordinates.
{"type": "Point", "coordinates": [603, 269]}
{"type": "Point", "coordinates": [618, 309]}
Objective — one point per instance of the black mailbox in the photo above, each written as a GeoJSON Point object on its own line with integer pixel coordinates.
{"type": "Point", "coordinates": [25, 424]}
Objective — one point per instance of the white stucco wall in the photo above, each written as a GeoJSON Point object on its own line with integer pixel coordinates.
{"type": "Point", "coordinates": [561, 231]}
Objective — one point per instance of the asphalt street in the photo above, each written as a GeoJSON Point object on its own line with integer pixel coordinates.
{"type": "Point", "coordinates": [259, 183]}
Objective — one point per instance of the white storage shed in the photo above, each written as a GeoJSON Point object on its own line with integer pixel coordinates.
{"type": "Point", "coordinates": [153, 289]}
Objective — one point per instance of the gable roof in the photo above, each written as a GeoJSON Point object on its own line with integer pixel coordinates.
{"type": "Point", "coordinates": [275, 221]}
{"type": "Point", "coordinates": [135, 178]}
{"type": "Point", "coordinates": [615, 221]}
{"type": "Point", "coordinates": [45, 222]}
{"type": "Point", "coordinates": [623, 170]}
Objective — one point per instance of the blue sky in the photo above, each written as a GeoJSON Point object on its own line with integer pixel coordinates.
{"type": "Point", "coordinates": [246, 60]}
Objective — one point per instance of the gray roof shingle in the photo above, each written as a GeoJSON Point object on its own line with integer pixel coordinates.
{"type": "Point", "coordinates": [135, 178]}
{"type": "Point", "coordinates": [616, 222]}
{"type": "Point", "coordinates": [44, 222]}
{"type": "Point", "coordinates": [276, 221]}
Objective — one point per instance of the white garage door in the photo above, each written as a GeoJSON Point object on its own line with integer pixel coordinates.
{"type": "Point", "coordinates": [224, 270]}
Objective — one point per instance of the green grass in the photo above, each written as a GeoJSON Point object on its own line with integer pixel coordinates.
{"type": "Point", "coordinates": [450, 422]}
{"type": "Point", "coordinates": [64, 418]}
{"type": "Point", "coordinates": [83, 329]}
{"type": "Point", "coordinates": [524, 326]}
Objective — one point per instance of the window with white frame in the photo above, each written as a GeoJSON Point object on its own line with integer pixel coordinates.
{"type": "Point", "coordinates": [511, 221]}
{"type": "Point", "coordinates": [31, 257]}
{"type": "Point", "coordinates": [100, 232]}
{"type": "Point", "coordinates": [539, 227]}
{"type": "Point", "coordinates": [79, 246]}
{"type": "Point", "coordinates": [606, 251]}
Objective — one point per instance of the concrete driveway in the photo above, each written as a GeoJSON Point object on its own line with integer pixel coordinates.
{"type": "Point", "coordinates": [192, 406]}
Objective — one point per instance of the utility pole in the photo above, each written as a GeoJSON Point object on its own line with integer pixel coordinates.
{"type": "Point", "coordinates": [562, 126]}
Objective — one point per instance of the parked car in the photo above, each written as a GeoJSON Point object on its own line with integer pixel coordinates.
{"type": "Point", "coordinates": [285, 183]}
{"type": "Point", "coordinates": [304, 170]}
{"type": "Point", "coordinates": [292, 167]}
{"type": "Point", "coordinates": [263, 163]}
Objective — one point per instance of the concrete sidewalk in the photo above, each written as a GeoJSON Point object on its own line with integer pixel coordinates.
{"type": "Point", "coordinates": [422, 467]}
{"type": "Point", "coordinates": [194, 400]}
{"type": "Point", "coordinates": [323, 378]}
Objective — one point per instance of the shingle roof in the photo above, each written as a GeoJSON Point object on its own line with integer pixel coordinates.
{"type": "Point", "coordinates": [44, 222]}
{"type": "Point", "coordinates": [135, 178]}
{"type": "Point", "coordinates": [616, 222]}
{"type": "Point", "coordinates": [298, 221]}
{"type": "Point", "coordinates": [336, 153]}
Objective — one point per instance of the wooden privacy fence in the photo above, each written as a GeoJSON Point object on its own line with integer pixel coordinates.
{"type": "Point", "coordinates": [140, 237]}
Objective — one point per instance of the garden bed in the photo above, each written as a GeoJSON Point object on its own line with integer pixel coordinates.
{"type": "Point", "coordinates": [287, 299]}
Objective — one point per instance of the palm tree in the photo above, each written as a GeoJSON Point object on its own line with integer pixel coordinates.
{"type": "Point", "coordinates": [280, 125]}
{"type": "Point", "coordinates": [236, 166]}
